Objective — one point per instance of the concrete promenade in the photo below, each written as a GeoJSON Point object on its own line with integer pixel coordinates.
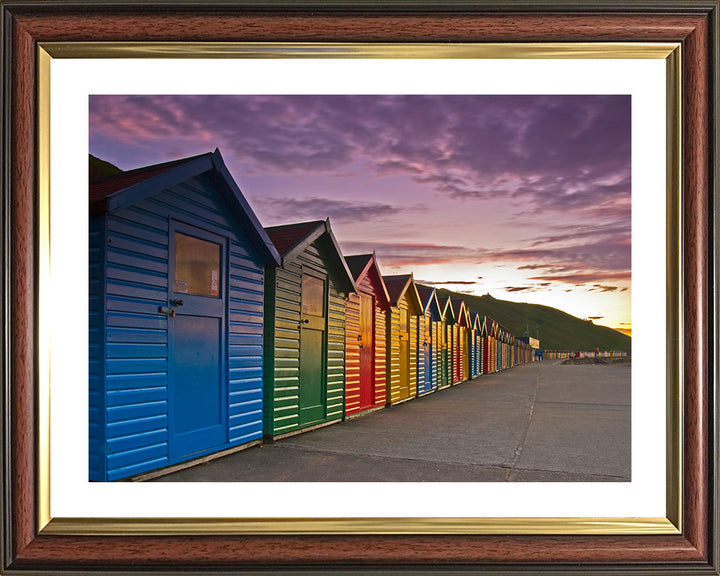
{"type": "Point", "coordinates": [539, 422]}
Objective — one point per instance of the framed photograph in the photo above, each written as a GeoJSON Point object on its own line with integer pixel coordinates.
{"type": "Point", "coordinates": [56, 55]}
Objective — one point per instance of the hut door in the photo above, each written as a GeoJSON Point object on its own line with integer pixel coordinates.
{"type": "Point", "coordinates": [458, 353]}
{"type": "Point", "coordinates": [367, 350]}
{"type": "Point", "coordinates": [427, 348]}
{"type": "Point", "coordinates": [196, 323]}
{"type": "Point", "coordinates": [312, 349]}
{"type": "Point", "coordinates": [444, 370]}
{"type": "Point", "coordinates": [466, 353]}
{"type": "Point", "coordinates": [404, 353]}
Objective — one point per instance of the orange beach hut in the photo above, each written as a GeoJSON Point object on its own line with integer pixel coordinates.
{"type": "Point", "coordinates": [401, 334]}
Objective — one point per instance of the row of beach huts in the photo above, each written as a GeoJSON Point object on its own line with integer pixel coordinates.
{"type": "Point", "coordinates": [209, 332]}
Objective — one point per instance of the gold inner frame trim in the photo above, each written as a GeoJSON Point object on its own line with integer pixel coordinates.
{"type": "Point", "coordinates": [356, 525]}
{"type": "Point", "coordinates": [608, 50]}
{"type": "Point", "coordinates": [348, 526]}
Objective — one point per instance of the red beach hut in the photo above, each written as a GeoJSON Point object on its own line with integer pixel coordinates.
{"type": "Point", "coordinates": [365, 337]}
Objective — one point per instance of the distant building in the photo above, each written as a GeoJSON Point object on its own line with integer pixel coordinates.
{"type": "Point", "coordinates": [534, 342]}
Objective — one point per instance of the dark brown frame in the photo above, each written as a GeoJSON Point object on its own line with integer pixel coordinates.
{"type": "Point", "coordinates": [694, 23]}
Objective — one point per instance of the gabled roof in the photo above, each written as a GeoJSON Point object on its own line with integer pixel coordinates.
{"type": "Point", "coordinates": [429, 300]}
{"type": "Point", "coordinates": [461, 312]}
{"type": "Point", "coordinates": [400, 285]}
{"type": "Point", "coordinates": [482, 324]}
{"type": "Point", "coordinates": [359, 264]}
{"type": "Point", "coordinates": [363, 265]}
{"type": "Point", "coordinates": [475, 321]}
{"type": "Point", "coordinates": [118, 191]}
{"type": "Point", "coordinates": [448, 312]}
{"type": "Point", "coordinates": [291, 240]}
{"type": "Point", "coordinates": [490, 328]}
{"type": "Point", "coordinates": [102, 188]}
{"type": "Point", "coordinates": [288, 236]}
{"type": "Point", "coordinates": [503, 333]}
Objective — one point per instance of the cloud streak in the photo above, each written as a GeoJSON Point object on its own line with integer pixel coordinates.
{"type": "Point", "coordinates": [288, 210]}
{"type": "Point", "coordinates": [586, 278]}
{"type": "Point", "coordinates": [412, 254]}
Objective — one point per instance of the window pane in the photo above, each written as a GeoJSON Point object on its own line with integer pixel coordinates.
{"type": "Point", "coordinates": [313, 296]}
{"type": "Point", "coordinates": [197, 266]}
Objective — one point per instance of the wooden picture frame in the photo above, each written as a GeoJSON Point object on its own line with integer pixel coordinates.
{"type": "Point", "coordinates": [692, 549]}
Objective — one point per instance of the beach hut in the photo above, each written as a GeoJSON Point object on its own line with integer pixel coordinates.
{"type": "Point", "coordinates": [445, 333]}
{"type": "Point", "coordinates": [365, 337]}
{"type": "Point", "coordinates": [507, 339]}
{"type": "Point", "coordinates": [305, 329]}
{"type": "Point", "coordinates": [481, 340]}
{"type": "Point", "coordinates": [485, 344]}
{"type": "Point", "coordinates": [176, 280]}
{"type": "Point", "coordinates": [471, 344]}
{"type": "Point", "coordinates": [461, 363]}
{"type": "Point", "coordinates": [490, 332]}
{"type": "Point", "coordinates": [401, 328]}
{"type": "Point", "coordinates": [495, 346]}
{"type": "Point", "coordinates": [500, 350]}
{"type": "Point", "coordinates": [428, 341]}
{"type": "Point", "coordinates": [475, 344]}
{"type": "Point", "coordinates": [511, 351]}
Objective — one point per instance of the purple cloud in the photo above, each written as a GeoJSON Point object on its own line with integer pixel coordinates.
{"type": "Point", "coordinates": [554, 152]}
{"type": "Point", "coordinates": [287, 210]}
{"type": "Point", "coordinates": [412, 254]}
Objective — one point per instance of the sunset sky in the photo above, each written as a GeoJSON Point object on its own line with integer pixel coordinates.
{"type": "Point", "coordinates": [523, 197]}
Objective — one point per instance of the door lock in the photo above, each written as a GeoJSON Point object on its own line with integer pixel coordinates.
{"type": "Point", "coordinates": [167, 311]}
{"type": "Point", "coordinates": [170, 310]}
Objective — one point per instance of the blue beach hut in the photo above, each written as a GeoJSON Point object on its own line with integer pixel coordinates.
{"type": "Point", "coordinates": [177, 261]}
{"type": "Point", "coordinates": [429, 338]}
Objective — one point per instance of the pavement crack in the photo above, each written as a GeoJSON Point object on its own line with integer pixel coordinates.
{"type": "Point", "coordinates": [519, 448]}
{"type": "Point", "coordinates": [379, 456]}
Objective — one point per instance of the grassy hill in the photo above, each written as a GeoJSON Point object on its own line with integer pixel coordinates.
{"type": "Point", "coordinates": [100, 168]}
{"type": "Point", "coordinates": [556, 330]}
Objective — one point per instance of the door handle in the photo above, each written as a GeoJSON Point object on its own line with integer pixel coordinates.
{"type": "Point", "coordinates": [177, 302]}
{"type": "Point", "coordinates": [167, 311]}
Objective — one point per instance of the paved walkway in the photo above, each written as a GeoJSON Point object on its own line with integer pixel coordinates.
{"type": "Point", "coordinates": [538, 422]}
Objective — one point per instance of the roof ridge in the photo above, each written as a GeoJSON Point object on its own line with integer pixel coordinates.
{"type": "Point", "coordinates": [141, 169]}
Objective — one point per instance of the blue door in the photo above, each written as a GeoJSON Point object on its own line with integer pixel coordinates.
{"type": "Point", "coordinates": [428, 352]}
{"type": "Point", "coordinates": [196, 322]}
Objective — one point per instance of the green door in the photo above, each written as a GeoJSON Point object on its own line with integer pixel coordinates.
{"type": "Point", "coordinates": [312, 350]}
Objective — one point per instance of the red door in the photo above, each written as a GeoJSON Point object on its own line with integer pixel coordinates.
{"type": "Point", "coordinates": [485, 355]}
{"type": "Point", "coordinates": [458, 354]}
{"type": "Point", "coordinates": [367, 351]}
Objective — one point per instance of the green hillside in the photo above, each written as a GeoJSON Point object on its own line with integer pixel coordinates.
{"type": "Point", "coordinates": [555, 329]}
{"type": "Point", "coordinates": [100, 168]}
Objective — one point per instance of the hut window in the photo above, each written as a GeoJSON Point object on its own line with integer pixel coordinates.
{"type": "Point", "coordinates": [197, 266]}
{"type": "Point", "coordinates": [313, 295]}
